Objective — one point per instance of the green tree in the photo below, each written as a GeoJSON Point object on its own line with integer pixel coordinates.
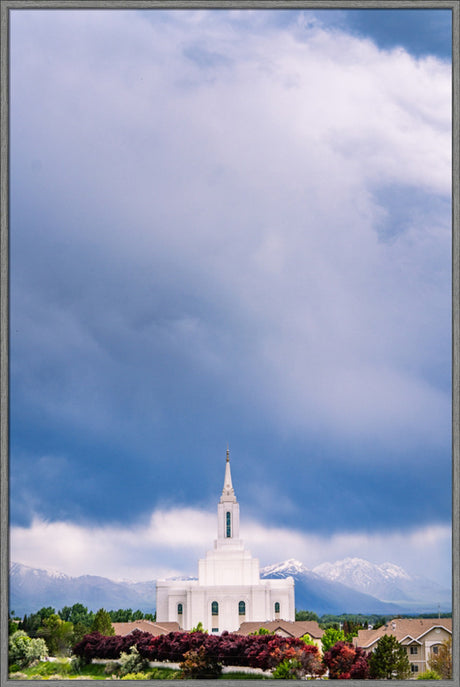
{"type": "Point", "coordinates": [77, 614]}
{"type": "Point", "coordinates": [441, 662]}
{"type": "Point", "coordinates": [306, 615]}
{"type": "Point", "coordinates": [308, 640]}
{"type": "Point", "coordinates": [58, 635]}
{"type": "Point", "coordinates": [389, 660]}
{"type": "Point", "coordinates": [79, 631]}
{"type": "Point", "coordinates": [330, 637]}
{"type": "Point", "coordinates": [102, 623]}
{"type": "Point", "coordinates": [22, 649]}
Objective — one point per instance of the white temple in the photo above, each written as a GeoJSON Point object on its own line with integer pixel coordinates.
{"type": "Point", "coordinates": [229, 590]}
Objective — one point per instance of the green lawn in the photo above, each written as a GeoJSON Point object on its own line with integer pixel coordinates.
{"type": "Point", "coordinates": [95, 671]}
{"type": "Point", "coordinates": [61, 669]}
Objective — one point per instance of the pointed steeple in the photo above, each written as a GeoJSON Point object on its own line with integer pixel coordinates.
{"type": "Point", "coordinates": [228, 493]}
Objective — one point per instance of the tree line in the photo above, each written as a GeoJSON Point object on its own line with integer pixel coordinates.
{"type": "Point", "coordinates": [64, 628]}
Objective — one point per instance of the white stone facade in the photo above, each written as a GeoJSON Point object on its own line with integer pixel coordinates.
{"type": "Point", "coordinates": [229, 590]}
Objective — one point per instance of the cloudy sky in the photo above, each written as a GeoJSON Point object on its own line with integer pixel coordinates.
{"type": "Point", "coordinates": [230, 226]}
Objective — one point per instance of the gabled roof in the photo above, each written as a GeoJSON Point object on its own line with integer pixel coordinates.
{"type": "Point", "coordinates": [123, 629]}
{"type": "Point", "coordinates": [402, 629]}
{"type": "Point", "coordinates": [294, 628]}
{"type": "Point", "coordinates": [410, 639]}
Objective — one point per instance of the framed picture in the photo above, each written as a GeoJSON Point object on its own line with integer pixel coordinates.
{"type": "Point", "coordinates": [230, 294]}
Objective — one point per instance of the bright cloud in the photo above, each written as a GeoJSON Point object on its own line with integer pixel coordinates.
{"type": "Point", "coordinates": [173, 540]}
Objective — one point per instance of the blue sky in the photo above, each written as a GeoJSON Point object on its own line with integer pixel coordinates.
{"type": "Point", "coordinates": [230, 226]}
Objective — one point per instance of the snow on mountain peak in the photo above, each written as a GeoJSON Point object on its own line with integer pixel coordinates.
{"type": "Point", "coordinates": [290, 567]}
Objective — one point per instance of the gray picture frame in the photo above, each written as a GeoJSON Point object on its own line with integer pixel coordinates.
{"type": "Point", "coordinates": [6, 7]}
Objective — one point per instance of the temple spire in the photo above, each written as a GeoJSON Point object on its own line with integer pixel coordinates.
{"type": "Point", "coordinates": [228, 493]}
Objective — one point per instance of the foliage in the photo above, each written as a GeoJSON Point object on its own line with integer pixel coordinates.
{"type": "Point", "coordinates": [23, 649]}
{"type": "Point", "coordinates": [350, 629]}
{"type": "Point", "coordinates": [127, 615]}
{"type": "Point", "coordinates": [58, 635]}
{"type": "Point", "coordinates": [31, 623]}
{"type": "Point", "coordinates": [429, 675]}
{"type": "Point", "coordinates": [262, 631]}
{"type": "Point", "coordinates": [45, 668]}
{"type": "Point", "coordinates": [308, 640]}
{"type": "Point", "coordinates": [12, 626]}
{"type": "Point", "coordinates": [136, 676]}
{"type": "Point", "coordinates": [199, 663]}
{"type": "Point", "coordinates": [359, 620]}
{"type": "Point", "coordinates": [131, 662]}
{"type": "Point", "coordinates": [198, 628]}
{"type": "Point", "coordinates": [256, 651]}
{"type": "Point", "coordinates": [102, 623]}
{"type": "Point", "coordinates": [288, 669]}
{"type": "Point", "coordinates": [79, 631]}
{"type": "Point", "coordinates": [163, 674]}
{"type": "Point", "coordinates": [441, 662]}
{"type": "Point", "coordinates": [330, 637]}
{"type": "Point", "coordinates": [62, 669]}
{"type": "Point", "coordinates": [389, 660]}
{"type": "Point", "coordinates": [345, 661]}
{"type": "Point", "coordinates": [77, 614]}
{"type": "Point", "coordinates": [306, 615]}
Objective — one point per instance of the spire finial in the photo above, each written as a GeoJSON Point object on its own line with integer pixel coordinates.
{"type": "Point", "coordinates": [228, 454]}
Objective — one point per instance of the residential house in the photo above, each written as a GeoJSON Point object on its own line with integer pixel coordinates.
{"type": "Point", "coordinates": [421, 637]}
{"type": "Point", "coordinates": [286, 628]}
{"type": "Point", "coordinates": [155, 629]}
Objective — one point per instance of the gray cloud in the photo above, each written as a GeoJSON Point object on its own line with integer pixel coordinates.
{"type": "Point", "coordinates": [206, 252]}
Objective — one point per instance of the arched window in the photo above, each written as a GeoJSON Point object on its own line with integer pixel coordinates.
{"type": "Point", "coordinates": [180, 609]}
{"type": "Point", "coordinates": [277, 606]}
{"type": "Point", "coordinates": [214, 608]}
{"type": "Point", "coordinates": [229, 524]}
{"type": "Point", "coordinates": [241, 608]}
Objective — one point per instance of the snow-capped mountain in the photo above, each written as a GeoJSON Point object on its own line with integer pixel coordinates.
{"type": "Point", "coordinates": [387, 581]}
{"type": "Point", "coordinates": [356, 585]}
{"type": "Point", "coordinates": [33, 588]}
{"type": "Point", "coordinates": [316, 593]}
{"type": "Point", "coordinates": [384, 580]}
{"type": "Point", "coordinates": [289, 567]}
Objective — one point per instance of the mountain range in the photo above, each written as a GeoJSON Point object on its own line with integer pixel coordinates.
{"type": "Point", "coordinates": [352, 585]}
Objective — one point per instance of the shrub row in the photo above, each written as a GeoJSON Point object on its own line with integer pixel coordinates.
{"type": "Point", "coordinates": [255, 651]}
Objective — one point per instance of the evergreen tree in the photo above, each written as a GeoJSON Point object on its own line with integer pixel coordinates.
{"type": "Point", "coordinates": [389, 660]}
{"type": "Point", "coordinates": [102, 623]}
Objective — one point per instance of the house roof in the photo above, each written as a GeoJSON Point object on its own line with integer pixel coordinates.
{"type": "Point", "coordinates": [145, 626]}
{"type": "Point", "coordinates": [294, 628]}
{"type": "Point", "coordinates": [405, 630]}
